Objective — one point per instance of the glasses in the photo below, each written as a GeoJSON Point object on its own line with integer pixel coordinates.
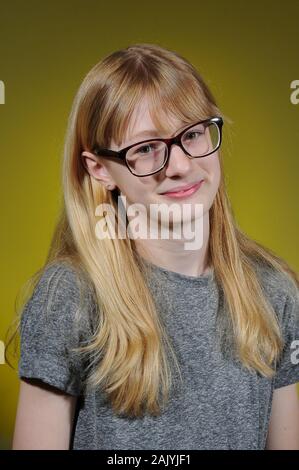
{"type": "Point", "coordinates": [150, 156]}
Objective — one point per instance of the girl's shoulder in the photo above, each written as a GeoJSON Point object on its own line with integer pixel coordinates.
{"type": "Point", "coordinates": [282, 292]}
{"type": "Point", "coordinates": [60, 271]}
{"type": "Point", "coordinates": [54, 321]}
{"type": "Point", "coordinates": [61, 278]}
{"type": "Point", "coordinates": [277, 284]}
{"type": "Point", "coordinates": [61, 297]}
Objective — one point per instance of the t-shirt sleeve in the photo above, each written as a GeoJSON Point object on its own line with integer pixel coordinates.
{"type": "Point", "coordinates": [287, 370]}
{"type": "Point", "coordinates": [50, 328]}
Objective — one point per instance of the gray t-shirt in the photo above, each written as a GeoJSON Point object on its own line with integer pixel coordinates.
{"type": "Point", "coordinates": [219, 405]}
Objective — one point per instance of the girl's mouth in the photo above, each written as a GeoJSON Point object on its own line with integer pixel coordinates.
{"type": "Point", "coordinates": [186, 193]}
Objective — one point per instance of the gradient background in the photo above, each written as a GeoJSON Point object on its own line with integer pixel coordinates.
{"type": "Point", "coordinates": [247, 53]}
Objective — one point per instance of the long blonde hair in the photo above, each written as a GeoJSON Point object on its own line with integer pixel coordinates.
{"type": "Point", "coordinates": [129, 345]}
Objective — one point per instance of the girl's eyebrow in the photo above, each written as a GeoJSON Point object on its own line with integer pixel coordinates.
{"type": "Point", "coordinates": [154, 132]}
{"type": "Point", "coordinates": [146, 132]}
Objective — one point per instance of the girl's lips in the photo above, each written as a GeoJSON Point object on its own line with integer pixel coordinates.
{"type": "Point", "coordinates": [186, 193]}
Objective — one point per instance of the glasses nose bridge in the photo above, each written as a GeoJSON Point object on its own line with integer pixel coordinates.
{"type": "Point", "coordinates": [177, 140]}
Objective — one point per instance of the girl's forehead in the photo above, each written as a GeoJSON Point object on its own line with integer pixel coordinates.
{"type": "Point", "coordinates": [145, 122]}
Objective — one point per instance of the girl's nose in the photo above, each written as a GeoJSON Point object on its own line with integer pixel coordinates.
{"type": "Point", "coordinates": [179, 162]}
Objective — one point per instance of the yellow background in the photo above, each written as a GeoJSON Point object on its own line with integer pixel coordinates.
{"type": "Point", "coordinates": [246, 51]}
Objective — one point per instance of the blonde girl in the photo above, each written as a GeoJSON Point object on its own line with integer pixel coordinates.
{"type": "Point", "coordinates": [131, 342]}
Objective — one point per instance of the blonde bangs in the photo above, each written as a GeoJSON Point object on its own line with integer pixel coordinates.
{"type": "Point", "coordinates": [168, 89]}
{"type": "Point", "coordinates": [131, 352]}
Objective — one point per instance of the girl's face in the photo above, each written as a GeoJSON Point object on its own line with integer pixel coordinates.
{"type": "Point", "coordinates": [179, 171]}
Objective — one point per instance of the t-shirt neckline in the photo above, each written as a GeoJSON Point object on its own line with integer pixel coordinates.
{"type": "Point", "coordinates": [203, 278]}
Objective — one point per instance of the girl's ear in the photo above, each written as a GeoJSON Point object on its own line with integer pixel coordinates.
{"type": "Point", "coordinates": [89, 155]}
{"type": "Point", "coordinates": [97, 170]}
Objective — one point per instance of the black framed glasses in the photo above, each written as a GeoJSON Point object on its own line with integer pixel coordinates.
{"type": "Point", "coordinates": [150, 156]}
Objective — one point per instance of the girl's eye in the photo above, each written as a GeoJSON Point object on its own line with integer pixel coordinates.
{"type": "Point", "coordinates": [145, 149]}
{"type": "Point", "coordinates": [192, 135]}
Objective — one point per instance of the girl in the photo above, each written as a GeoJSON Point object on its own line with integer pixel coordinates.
{"type": "Point", "coordinates": [142, 342]}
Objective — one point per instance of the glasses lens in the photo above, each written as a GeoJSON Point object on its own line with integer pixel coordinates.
{"type": "Point", "coordinates": [146, 158]}
{"type": "Point", "coordinates": [201, 139]}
